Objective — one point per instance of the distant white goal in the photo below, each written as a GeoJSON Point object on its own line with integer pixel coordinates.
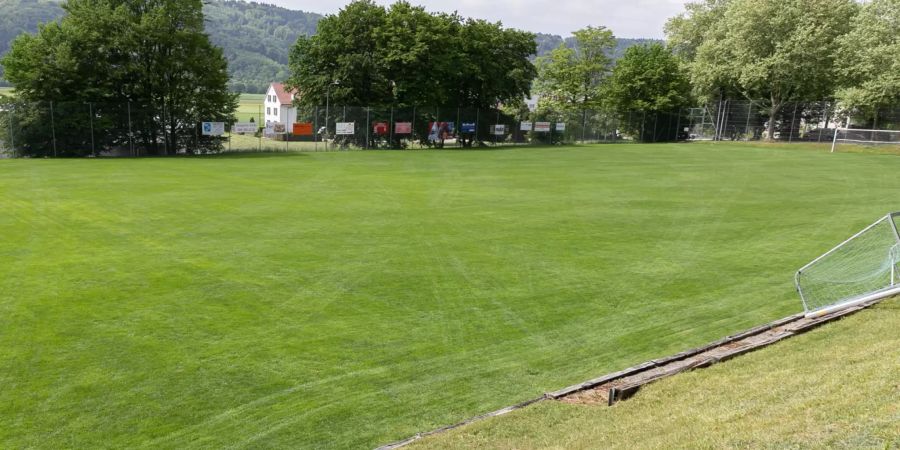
{"type": "Point", "coordinates": [862, 137]}
{"type": "Point", "coordinates": [864, 267]}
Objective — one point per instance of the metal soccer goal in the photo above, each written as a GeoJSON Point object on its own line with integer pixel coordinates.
{"type": "Point", "coordinates": [864, 267]}
{"type": "Point", "coordinates": [866, 138]}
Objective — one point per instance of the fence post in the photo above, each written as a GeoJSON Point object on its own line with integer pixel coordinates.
{"type": "Point", "coordinates": [583, 125]}
{"type": "Point", "coordinates": [91, 112]}
{"type": "Point", "coordinates": [643, 125]}
{"type": "Point", "coordinates": [53, 129]}
{"type": "Point", "coordinates": [259, 117]}
{"type": "Point", "coordinates": [12, 138]}
{"type": "Point", "coordinates": [793, 120]}
{"type": "Point", "coordinates": [678, 124]}
{"type": "Point", "coordinates": [130, 132]}
{"type": "Point", "coordinates": [413, 134]}
{"type": "Point", "coordinates": [749, 114]}
{"type": "Point", "coordinates": [368, 123]}
{"type": "Point", "coordinates": [491, 129]}
{"type": "Point", "coordinates": [391, 129]}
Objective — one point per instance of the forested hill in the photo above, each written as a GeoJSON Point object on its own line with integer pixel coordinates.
{"type": "Point", "coordinates": [255, 37]}
{"type": "Point", "coordinates": [548, 42]}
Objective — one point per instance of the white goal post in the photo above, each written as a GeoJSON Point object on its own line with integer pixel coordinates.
{"type": "Point", "coordinates": [864, 267]}
{"type": "Point", "coordinates": [865, 137]}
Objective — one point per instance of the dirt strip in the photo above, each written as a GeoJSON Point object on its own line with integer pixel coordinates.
{"type": "Point", "coordinates": [623, 384]}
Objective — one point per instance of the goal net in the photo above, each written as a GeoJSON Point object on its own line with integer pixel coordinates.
{"type": "Point", "coordinates": [864, 267]}
{"type": "Point", "coordinates": [866, 138]}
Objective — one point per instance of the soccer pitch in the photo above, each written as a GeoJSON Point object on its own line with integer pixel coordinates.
{"type": "Point", "coordinates": [352, 299]}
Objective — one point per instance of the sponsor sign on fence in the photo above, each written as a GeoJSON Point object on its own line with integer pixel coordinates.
{"type": "Point", "coordinates": [560, 126]}
{"type": "Point", "coordinates": [467, 127]}
{"type": "Point", "coordinates": [345, 128]}
{"type": "Point", "coordinates": [542, 127]}
{"type": "Point", "coordinates": [244, 127]}
{"type": "Point", "coordinates": [213, 128]}
{"type": "Point", "coordinates": [303, 129]}
{"type": "Point", "coordinates": [498, 130]}
{"type": "Point", "coordinates": [403, 128]}
{"type": "Point", "coordinates": [525, 126]}
{"type": "Point", "coordinates": [279, 128]}
{"type": "Point", "coordinates": [380, 128]}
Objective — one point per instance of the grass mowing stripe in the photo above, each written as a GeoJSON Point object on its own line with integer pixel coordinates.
{"type": "Point", "coordinates": [201, 301]}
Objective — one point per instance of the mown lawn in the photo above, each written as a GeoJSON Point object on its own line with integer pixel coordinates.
{"type": "Point", "coordinates": [352, 299]}
{"type": "Point", "coordinates": [836, 387]}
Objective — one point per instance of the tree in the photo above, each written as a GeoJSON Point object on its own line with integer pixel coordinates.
{"type": "Point", "coordinates": [649, 80]}
{"type": "Point", "coordinates": [868, 61]}
{"type": "Point", "coordinates": [572, 78]}
{"type": "Point", "coordinates": [371, 55]}
{"type": "Point", "coordinates": [773, 51]}
{"type": "Point", "coordinates": [105, 56]}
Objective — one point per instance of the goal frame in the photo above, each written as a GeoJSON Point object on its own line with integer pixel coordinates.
{"type": "Point", "coordinates": [837, 130]}
{"type": "Point", "coordinates": [892, 289]}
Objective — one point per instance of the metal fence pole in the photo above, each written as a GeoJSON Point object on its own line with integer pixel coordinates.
{"type": "Point", "coordinates": [368, 124]}
{"type": "Point", "coordinates": [12, 138]}
{"type": "Point", "coordinates": [391, 129]}
{"type": "Point", "coordinates": [793, 120]}
{"type": "Point", "coordinates": [677, 125]}
{"type": "Point", "coordinates": [130, 132]}
{"type": "Point", "coordinates": [259, 139]}
{"type": "Point", "coordinates": [316, 129]}
{"type": "Point", "coordinates": [583, 125]}
{"type": "Point", "coordinates": [53, 129]}
{"type": "Point", "coordinates": [749, 114]}
{"type": "Point", "coordinates": [91, 111]}
{"type": "Point", "coordinates": [459, 129]}
{"type": "Point", "coordinates": [412, 135]}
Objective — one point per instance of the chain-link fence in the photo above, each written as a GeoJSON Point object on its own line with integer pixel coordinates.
{"type": "Point", "coordinates": [731, 120]}
{"type": "Point", "coordinates": [58, 129]}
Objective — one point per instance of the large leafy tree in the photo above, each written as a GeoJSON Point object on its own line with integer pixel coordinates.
{"type": "Point", "coordinates": [572, 78]}
{"type": "Point", "coordinates": [649, 80]}
{"type": "Point", "coordinates": [775, 51]}
{"type": "Point", "coordinates": [145, 69]}
{"type": "Point", "coordinates": [869, 58]}
{"type": "Point", "coordinates": [402, 55]}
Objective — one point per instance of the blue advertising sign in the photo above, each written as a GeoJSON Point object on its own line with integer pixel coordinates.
{"type": "Point", "coordinates": [467, 127]}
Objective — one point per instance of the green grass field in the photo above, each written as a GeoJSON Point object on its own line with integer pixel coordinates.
{"type": "Point", "coordinates": [251, 105]}
{"type": "Point", "coordinates": [836, 387]}
{"type": "Point", "coordinates": [351, 299]}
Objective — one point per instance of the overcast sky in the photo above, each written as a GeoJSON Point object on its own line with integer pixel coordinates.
{"type": "Point", "coordinates": [626, 18]}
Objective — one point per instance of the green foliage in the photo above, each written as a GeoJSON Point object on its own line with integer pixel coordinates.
{"type": "Point", "coordinates": [402, 55]}
{"type": "Point", "coordinates": [647, 79]}
{"type": "Point", "coordinates": [572, 78]}
{"type": "Point", "coordinates": [154, 59]}
{"type": "Point", "coordinates": [23, 16]}
{"type": "Point", "coordinates": [774, 50]}
{"type": "Point", "coordinates": [255, 37]}
{"type": "Point", "coordinates": [868, 60]}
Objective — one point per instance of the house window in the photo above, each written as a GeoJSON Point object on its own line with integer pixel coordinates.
{"type": "Point", "coordinates": [267, 111]}
{"type": "Point", "coordinates": [275, 111]}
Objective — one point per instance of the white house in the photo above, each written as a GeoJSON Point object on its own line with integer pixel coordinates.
{"type": "Point", "coordinates": [279, 106]}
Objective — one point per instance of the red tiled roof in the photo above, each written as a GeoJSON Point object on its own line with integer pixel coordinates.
{"type": "Point", "coordinates": [284, 96]}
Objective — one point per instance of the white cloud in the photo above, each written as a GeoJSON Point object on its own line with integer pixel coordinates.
{"type": "Point", "coordinates": [630, 18]}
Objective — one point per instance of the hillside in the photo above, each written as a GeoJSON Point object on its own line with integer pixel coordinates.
{"type": "Point", "coordinates": [255, 37]}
